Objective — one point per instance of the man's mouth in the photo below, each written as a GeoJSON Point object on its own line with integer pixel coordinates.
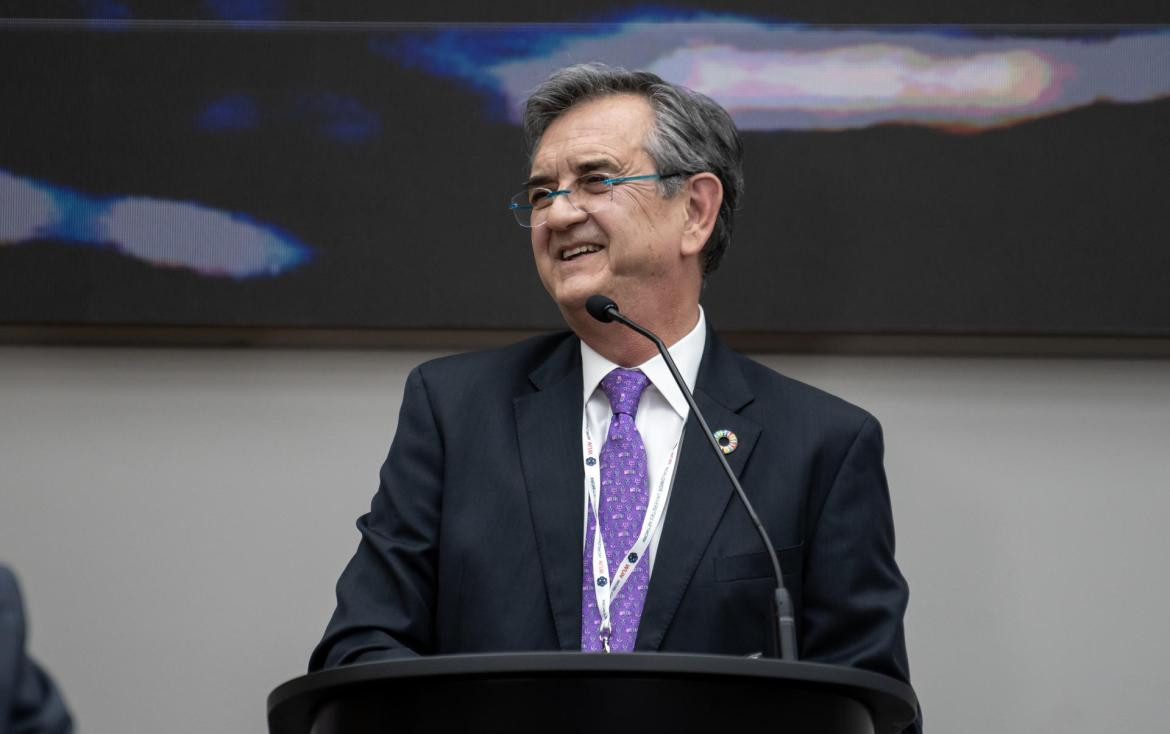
{"type": "Point", "coordinates": [579, 251]}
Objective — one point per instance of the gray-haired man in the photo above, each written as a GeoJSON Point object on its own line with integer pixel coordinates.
{"type": "Point", "coordinates": [521, 480]}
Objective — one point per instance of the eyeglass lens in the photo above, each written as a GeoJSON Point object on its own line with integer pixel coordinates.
{"type": "Point", "coordinates": [589, 194]}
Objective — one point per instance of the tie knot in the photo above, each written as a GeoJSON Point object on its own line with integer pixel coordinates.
{"type": "Point", "coordinates": [624, 388]}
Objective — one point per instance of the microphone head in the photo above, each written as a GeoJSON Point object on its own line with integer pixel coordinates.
{"type": "Point", "coordinates": [598, 307]}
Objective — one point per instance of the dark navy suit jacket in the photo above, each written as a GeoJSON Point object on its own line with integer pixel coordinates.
{"type": "Point", "coordinates": [473, 541]}
{"type": "Point", "coordinates": [29, 704]}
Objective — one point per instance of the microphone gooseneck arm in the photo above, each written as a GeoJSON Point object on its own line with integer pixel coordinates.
{"type": "Point", "coordinates": [783, 622]}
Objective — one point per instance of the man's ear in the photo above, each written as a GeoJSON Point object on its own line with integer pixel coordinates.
{"type": "Point", "coordinates": [704, 195]}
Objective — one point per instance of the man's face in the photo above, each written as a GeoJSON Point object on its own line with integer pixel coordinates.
{"type": "Point", "coordinates": [638, 232]}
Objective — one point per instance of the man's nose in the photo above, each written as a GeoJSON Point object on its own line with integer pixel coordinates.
{"type": "Point", "coordinates": [563, 212]}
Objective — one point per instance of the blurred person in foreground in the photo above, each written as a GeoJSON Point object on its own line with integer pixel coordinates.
{"type": "Point", "coordinates": [29, 703]}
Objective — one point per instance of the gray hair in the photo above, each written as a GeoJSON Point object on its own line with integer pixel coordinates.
{"type": "Point", "coordinates": [691, 133]}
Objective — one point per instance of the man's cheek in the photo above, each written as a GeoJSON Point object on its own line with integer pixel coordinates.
{"type": "Point", "coordinates": [539, 240]}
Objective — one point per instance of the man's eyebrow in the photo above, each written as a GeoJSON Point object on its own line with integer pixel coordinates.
{"type": "Point", "coordinates": [538, 179]}
{"type": "Point", "coordinates": [580, 168]}
{"type": "Point", "coordinates": [595, 164]}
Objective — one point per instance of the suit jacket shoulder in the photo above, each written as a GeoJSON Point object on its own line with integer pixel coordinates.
{"type": "Point", "coordinates": [504, 370]}
{"type": "Point", "coordinates": [780, 392]}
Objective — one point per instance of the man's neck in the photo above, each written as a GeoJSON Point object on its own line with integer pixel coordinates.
{"type": "Point", "coordinates": [624, 346]}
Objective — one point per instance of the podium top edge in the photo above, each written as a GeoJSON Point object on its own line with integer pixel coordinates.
{"type": "Point", "coordinates": [668, 665]}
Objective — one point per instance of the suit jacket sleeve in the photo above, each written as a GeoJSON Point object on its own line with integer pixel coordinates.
{"type": "Point", "coordinates": [386, 595]}
{"type": "Point", "coordinates": [854, 594]}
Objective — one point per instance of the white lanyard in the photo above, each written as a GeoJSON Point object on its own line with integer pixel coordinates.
{"type": "Point", "coordinates": [606, 587]}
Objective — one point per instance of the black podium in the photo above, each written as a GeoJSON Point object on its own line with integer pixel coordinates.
{"type": "Point", "coordinates": [574, 692]}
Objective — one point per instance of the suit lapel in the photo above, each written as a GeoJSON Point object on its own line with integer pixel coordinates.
{"type": "Point", "coordinates": [548, 425]}
{"type": "Point", "coordinates": [701, 489]}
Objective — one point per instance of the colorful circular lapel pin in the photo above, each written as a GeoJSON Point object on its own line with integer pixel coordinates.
{"type": "Point", "coordinates": [728, 441]}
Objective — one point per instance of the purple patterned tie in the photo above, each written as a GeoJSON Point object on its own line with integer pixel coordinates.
{"type": "Point", "coordinates": [622, 505]}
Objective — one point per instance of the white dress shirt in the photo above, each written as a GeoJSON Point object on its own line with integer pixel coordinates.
{"type": "Point", "coordinates": [662, 409]}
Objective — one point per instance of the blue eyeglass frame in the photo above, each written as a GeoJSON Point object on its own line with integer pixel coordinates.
{"type": "Point", "coordinates": [611, 182]}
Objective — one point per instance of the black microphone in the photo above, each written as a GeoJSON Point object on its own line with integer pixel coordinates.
{"type": "Point", "coordinates": [605, 310]}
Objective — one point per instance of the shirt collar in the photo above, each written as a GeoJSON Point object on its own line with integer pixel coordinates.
{"type": "Point", "coordinates": [686, 352]}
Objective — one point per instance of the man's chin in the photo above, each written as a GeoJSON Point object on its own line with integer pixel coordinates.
{"type": "Point", "coordinates": [571, 296]}
{"type": "Point", "coordinates": [572, 303]}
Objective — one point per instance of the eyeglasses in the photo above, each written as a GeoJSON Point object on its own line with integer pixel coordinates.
{"type": "Point", "coordinates": [590, 193]}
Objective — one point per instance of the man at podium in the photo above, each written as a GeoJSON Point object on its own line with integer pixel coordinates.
{"type": "Point", "coordinates": [552, 495]}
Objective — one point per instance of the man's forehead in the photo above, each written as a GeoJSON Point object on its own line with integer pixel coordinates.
{"type": "Point", "coordinates": [607, 131]}
{"type": "Point", "coordinates": [578, 159]}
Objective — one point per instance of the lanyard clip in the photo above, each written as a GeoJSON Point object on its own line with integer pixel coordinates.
{"type": "Point", "coordinates": [604, 634]}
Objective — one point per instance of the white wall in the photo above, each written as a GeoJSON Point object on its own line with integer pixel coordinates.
{"type": "Point", "coordinates": [178, 518]}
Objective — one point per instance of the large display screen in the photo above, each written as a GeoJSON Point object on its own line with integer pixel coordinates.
{"type": "Point", "coordinates": [273, 172]}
